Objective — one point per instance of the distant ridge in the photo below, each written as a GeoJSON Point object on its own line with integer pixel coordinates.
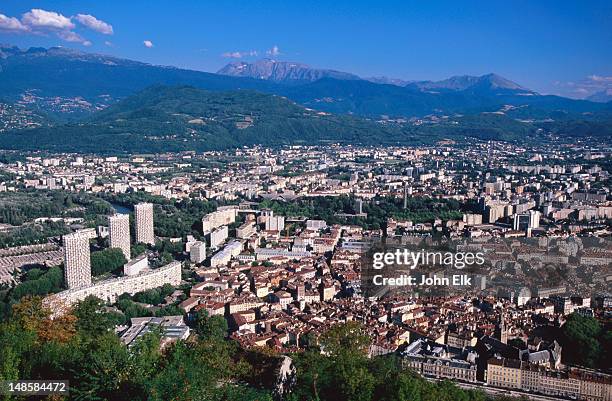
{"type": "Point", "coordinates": [603, 96]}
{"type": "Point", "coordinates": [466, 82]}
{"type": "Point", "coordinates": [491, 82]}
{"type": "Point", "coordinates": [286, 71]}
{"type": "Point", "coordinates": [281, 71]}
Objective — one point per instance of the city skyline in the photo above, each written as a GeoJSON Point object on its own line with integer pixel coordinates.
{"type": "Point", "coordinates": [273, 251]}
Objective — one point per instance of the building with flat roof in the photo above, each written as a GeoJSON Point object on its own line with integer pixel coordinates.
{"type": "Point", "coordinates": [109, 290]}
{"type": "Point", "coordinates": [144, 223]}
{"type": "Point", "coordinates": [226, 254]}
{"type": "Point", "coordinates": [77, 264]}
{"type": "Point", "coordinates": [136, 265]}
{"type": "Point", "coordinates": [275, 223]}
{"type": "Point", "coordinates": [172, 328]}
{"type": "Point", "coordinates": [119, 233]}
{"type": "Point", "coordinates": [218, 218]}
{"type": "Point", "coordinates": [197, 252]}
{"type": "Point", "coordinates": [218, 236]}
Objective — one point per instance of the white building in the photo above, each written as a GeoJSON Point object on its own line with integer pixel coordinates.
{"type": "Point", "coordinates": [119, 233]}
{"type": "Point", "coordinates": [527, 220]}
{"type": "Point", "coordinates": [136, 265]}
{"type": "Point", "coordinates": [218, 236]}
{"type": "Point", "coordinates": [77, 270]}
{"type": "Point", "coordinates": [226, 254]}
{"type": "Point", "coordinates": [267, 253]}
{"type": "Point", "coordinates": [144, 223]}
{"type": "Point", "coordinates": [197, 252]}
{"type": "Point", "coordinates": [275, 223]}
{"type": "Point", "coordinates": [172, 328]}
{"type": "Point", "coordinates": [315, 225]}
{"type": "Point", "coordinates": [218, 218]}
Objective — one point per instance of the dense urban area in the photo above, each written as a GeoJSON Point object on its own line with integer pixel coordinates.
{"type": "Point", "coordinates": [241, 274]}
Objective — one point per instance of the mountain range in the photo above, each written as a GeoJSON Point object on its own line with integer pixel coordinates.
{"type": "Point", "coordinates": [69, 89]}
{"type": "Point", "coordinates": [99, 79]}
{"type": "Point", "coordinates": [291, 72]}
{"type": "Point", "coordinates": [281, 71]}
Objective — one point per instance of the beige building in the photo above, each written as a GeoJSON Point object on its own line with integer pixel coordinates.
{"type": "Point", "coordinates": [504, 373]}
{"type": "Point", "coordinates": [77, 270]}
{"type": "Point", "coordinates": [244, 303]}
{"type": "Point", "coordinates": [460, 340]}
{"type": "Point", "coordinates": [119, 233]}
{"type": "Point", "coordinates": [558, 383]}
{"type": "Point", "coordinates": [218, 236]}
{"type": "Point", "coordinates": [197, 252]}
{"type": "Point", "coordinates": [246, 230]}
{"type": "Point", "coordinates": [595, 386]}
{"type": "Point", "coordinates": [575, 384]}
{"type": "Point", "coordinates": [144, 223]}
{"type": "Point", "coordinates": [218, 218]}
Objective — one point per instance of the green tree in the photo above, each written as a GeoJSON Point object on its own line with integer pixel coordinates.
{"type": "Point", "coordinates": [103, 371]}
{"type": "Point", "coordinates": [581, 336]}
{"type": "Point", "coordinates": [154, 296]}
{"type": "Point", "coordinates": [92, 319]}
{"type": "Point", "coordinates": [14, 343]}
{"type": "Point", "coordinates": [346, 338]}
{"type": "Point", "coordinates": [210, 327]}
{"type": "Point", "coordinates": [131, 309]}
{"type": "Point", "coordinates": [107, 260]}
{"type": "Point", "coordinates": [342, 372]}
{"type": "Point", "coordinates": [48, 282]}
{"type": "Point", "coordinates": [144, 359]}
{"type": "Point", "coordinates": [182, 376]}
{"type": "Point", "coordinates": [138, 249]}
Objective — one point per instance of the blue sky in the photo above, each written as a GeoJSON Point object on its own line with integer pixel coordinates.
{"type": "Point", "coordinates": [562, 47]}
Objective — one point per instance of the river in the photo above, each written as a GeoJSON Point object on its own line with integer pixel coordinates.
{"type": "Point", "coordinates": [121, 209]}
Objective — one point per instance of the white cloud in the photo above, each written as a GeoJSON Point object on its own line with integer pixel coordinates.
{"type": "Point", "coordinates": [11, 24]}
{"type": "Point", "coordinates": [70, 36]}
{"type": "Point", "coordinates": [94, 24]}
{"type": "Point", "coordinates": [599, 78]}
{"type": "Point", "coordinates": [44, 22]}
{"type": "Point", "coordinates": [585, 87]}
{"type": "Point", "coordinates": [232, 55]}
{"type": "Point", "coordinates": [148, 43]}
{"type": "Point", "coordinates": [37, 18]}
{"type": "Point", "coordinates": [252, 53]}
{"type": "Point", "coordinates": [274, 51]}
{"type": "Point", "coordinates": [108, 43]}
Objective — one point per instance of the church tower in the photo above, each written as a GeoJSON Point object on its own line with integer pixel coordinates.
{"type": "Point", "coordinates": [501, 331]}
